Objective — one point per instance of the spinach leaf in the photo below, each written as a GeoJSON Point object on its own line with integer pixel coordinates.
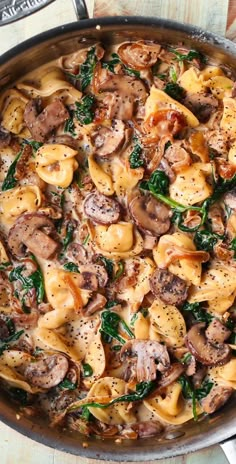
{"type": "Point", "coordinates": [10, 181]}
{"type": "Point", "coordinates": [120, 270]}
{"type": "Point", "coordinates": [110, 322]}
{"type": "Point", "coordinates": [143, 311]}
{"type": "Point", "coordinates": [158, 185]}
{"type": "Point", "coordinates": [109, 265]}
{"type": "Point", "coordinates": [110, 65]}
{"type": "Point", "coordinates": [67, 384]}
{"type": "Point", "coordinates": [70, 127]}
{"type": "Point", "coordinates": [35, 145]}
{"type": "Point", "coordinates": [174, 90]}
{"type": "Point", "coordinates": [135, 159]}
{"type": "Point", "coordinates": [203, 391]}
{"type": "Point", "coordinates": [71, 267]}
{"type": "Point", "coordinates": [206, 240]}
{"type": "Point", "coordinates": [87, 370]}
{"type": "Point", "coordinates": [84, 109]}
{"type": "Point", "coordinates": [87, 69]}
{"type": "Point", "coordinates": [232, 246]}
{"type": "Point", "coordinates": [12, 338]}
{"type": "Point", "coordinates": [4, 266]}
{"type": "Point", "coordinates": [143, 389]}
{"type": "Point", "coordinates": [86, 414]}
{"type": "Point", "coordinates": [186, 358]}
{"type": "Point", "coordinates": [35, 280]}
{"type": "Point", "coordinates": [200, 314]}
{"type": "Point", "coordinates": [173, 74]}
{"type": "Point", "coordinates": [190, 56]}
{"type": "Point", "coordinates": [222, 186]}
{"type": "Point", "coordinates": [111, 303]}
{"type": "Point", "coordinates": [188, 393]}
{"type": "Point", "coordinates": [69, 236]}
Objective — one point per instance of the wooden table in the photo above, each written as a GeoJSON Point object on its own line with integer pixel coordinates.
{"type": "Point", "coordinates": [214, 15]}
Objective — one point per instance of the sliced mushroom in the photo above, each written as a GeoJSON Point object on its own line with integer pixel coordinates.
{"type": "Point", "coordinates": [29, 230]}
{"type": "Point", "coordinates": [216, 217]}
{"type": "Point", "coordinates": [87, 281]}
{"type": "Point", "coordinates": [168, 287]}
{"type": "Point", "coordinates": [97, 302]}
{"type": "Point", "coordinates": [217, 332]}
{"type": "Point", "coordinates": [172, 374]}
{"type": "Point", "coordinates": [139, 55]}
{"type": "Point", "coordinates": [147, 353]}
{"type": "Point", "coordinates": [98, 270]}
{"type": "Point", "coordinates": [42, 124]}
{"type": "Point", "coordinates": [64, 140]}
{"type": "Point", "coordinates": [203, 350]}
{"type": "Point", "coordinates": [102, 209]}
{"type": "Point", "coordinates": [48, 372]}
{"type": "Point", "coordinates": [76, 253]}
{"type": "Point", "coordinates": [107, 140]}
{"type": "Point", "coordinates": [201, 104]}
{"type": "Point", "coordinates": [4, 331]}
{"type": "Point", "coordinates": [216, 398]}
{"type": "Point", "coordinates": [230, 199]}
{"type": "Point", "coordinates": [147, 429]}
{"type": "Point", "coordinates": [123, 93]}
{"type": "Point", "coordinates": [150, 214]}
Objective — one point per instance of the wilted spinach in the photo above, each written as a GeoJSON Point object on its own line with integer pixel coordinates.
{"type": "Point", "coordinates": [71, 267]}
{"type": "Point", "coordinates": [190, 56]}
{"type": "Point", "coordinates": [200, 314]}
{"type": "Point", "coordinates": [35, 280]}
{"type": "Point", "coordinates": [143, 389]}
{"type": "Point", "coordinates": [110, 323]}
{"type": "Point", "coordinates": [87, 69]}
{"type": "Point", "coordinates": [174, 90]}
{"type": "Point", "coordinates": [84, 109]}
{"type": "Point", "coordinates": [66, 384]}
{"type": "Point", "coordinates": [10, 181]}
{"type": "Point", "coordinates": [135, 158]}
{"type": "Point", "coordinates": [206, 240]}
{"type": "Point", "coordinates": [110, 65]}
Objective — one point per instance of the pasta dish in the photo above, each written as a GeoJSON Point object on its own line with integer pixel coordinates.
{"type": "Point", "coordinates": [118, 239]}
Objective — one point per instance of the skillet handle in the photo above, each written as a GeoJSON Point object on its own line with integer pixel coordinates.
{"type": "Point", "coordinates": [229, 448]}
{"type": "Point", "coordinates": [80, 9]}
{"type": "Point", "coordinates": [12, 10]}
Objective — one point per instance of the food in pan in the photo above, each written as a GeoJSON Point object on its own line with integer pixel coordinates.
{"type": "Point", "coordinates": [118, 239]}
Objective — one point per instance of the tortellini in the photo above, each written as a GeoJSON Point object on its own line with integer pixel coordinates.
{"type": "Point", "coordinates": [217, 282]}
{"type": "Point", "coordinates": [116, 237]}
{"type": "Point", "coordinates": [187, 268]}
{"type": "Point", "coordinates": [95, 358]}
{"type": "Point", "coordinates": [9, 362]}
{"type": "Point", "coordinates": [117, 241]}
{"type": "Point", "coordinates": [63, 292]}
{"type": "Point", "coordinates": [225, 375]}
{"type": "Point", "coordinates": [170, 407]}
{"type": "Point", "coordinates": [159, 100]}
{"type": "Point", "coordinates": [134, 294]}
{"type": "Point", "coordinates": [47, 338]}
{"type": "Point", "coordinates": [13, 105]}
{"type": "Point", "coordinates": [191, 186]}
{"type": "Point", "coordinates": [119, 413]}
{"type": "Point", "coordinates": [55, 164]}
{"type": "Point", "coordinates": [19, 200]}
{"type": "Point", "coordinates": [100, 178]}
{"type": "Point", "coordinates": [53, 82]}
{"type": "Point", "coordinates": [124, 178]}
{"type": "Point", "coordinates": [168, 322]}
{"type": "Point", "coordinates": [228, 120]}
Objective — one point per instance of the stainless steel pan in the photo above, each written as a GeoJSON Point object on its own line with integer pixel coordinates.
{"type": "Point", "coordinates": [33, 53]}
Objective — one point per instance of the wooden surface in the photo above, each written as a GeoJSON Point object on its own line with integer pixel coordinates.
{"type": "Point", "coordinates": [214, 15]}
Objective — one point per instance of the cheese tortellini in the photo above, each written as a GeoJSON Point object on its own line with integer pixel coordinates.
{"type": "Point", "coordinates": [55, 164]}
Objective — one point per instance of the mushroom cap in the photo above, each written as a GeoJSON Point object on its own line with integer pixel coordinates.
{"type": "Point", "coordinates": [48, 372]}
{"type": "Point", "coordinates": [102, 209]}
{"type": "Point", "coordinates": [147, 351]}
{"type": "Point", "coordinates": [150, 214]}
{"type": "Point", "coordinates": [26, 231]}
{"type": "Point", "coordinates": [168, 287]}
{"type": "Point", "coordinates": [108, 140]}
{"type": "Point", "coordinates": [203, 350]}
